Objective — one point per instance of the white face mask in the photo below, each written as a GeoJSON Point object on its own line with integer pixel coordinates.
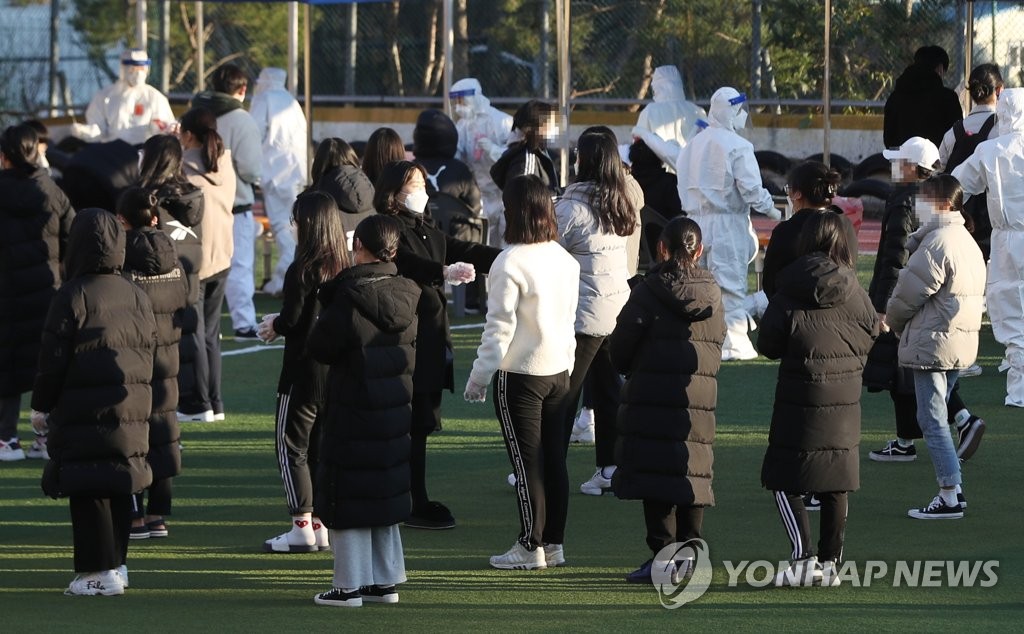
{"type": "Point", "coordinates": [924, 210]}
{"type": "Point", "coordinates": [135, 77]}
{"type": "Point", "coordinates": [463, 110]}
{"type": "Point", "coordinates": [897, 172]}
{"type": "Point", "coordinates": [416, 202]}
{"type": "Point", "coordinates": [789, 208]}
{"type": "Point", "coordinates": [740, 121]}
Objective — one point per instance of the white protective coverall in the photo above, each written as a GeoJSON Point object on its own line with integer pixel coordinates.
{"type": "Point", "coordinates": [671, 121]}
{"type": "Point", "coordinates": [129, 109]}
{"type": "Point", "coordinates": [998, 166]}
{"type": "Point", "coordinates": [719, 182]}
{"type": "Point", "coordinates": [283, 131]}
{"type": "Point", "coordinates": [483, 135]}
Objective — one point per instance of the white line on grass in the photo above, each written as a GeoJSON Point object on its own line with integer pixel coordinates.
{"type": "Point", "coordinates": [231, 353]}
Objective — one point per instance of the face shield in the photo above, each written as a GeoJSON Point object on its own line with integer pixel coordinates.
{"type": "Point", "coordinates": [462, 102]}
{"type": "Point", "coordinates": [741, 112]}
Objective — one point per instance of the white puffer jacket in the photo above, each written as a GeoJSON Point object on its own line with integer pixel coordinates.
{"type": "Point", "coordinates": [939, 297]}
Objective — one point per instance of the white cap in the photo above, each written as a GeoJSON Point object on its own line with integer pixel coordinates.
{"type": "Point", "coordinates": [135, 57]}
{"type": "Point", "coordinates": [917, 150]}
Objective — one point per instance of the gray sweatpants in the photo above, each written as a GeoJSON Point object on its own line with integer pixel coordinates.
{"type": "Point", "coordinates": [367, 557]}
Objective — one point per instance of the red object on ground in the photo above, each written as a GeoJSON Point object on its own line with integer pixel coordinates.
{"type": "Point", "coordinates": [868, 231]}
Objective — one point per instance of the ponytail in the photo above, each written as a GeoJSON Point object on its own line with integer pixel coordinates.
{"type": "Point", "coordinates": [379, 234]}
{"type": "Point", "coordinates": [202, 123]}
{"type": "Point", "coordinates": [138, 206]}
{"type": "Point", "coordinates": [20, 145]}
{"type": "Point", "coordinates": [681, 237]}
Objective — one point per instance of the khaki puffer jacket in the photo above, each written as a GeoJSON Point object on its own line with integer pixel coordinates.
{"type": "Point", "coordinates": [938, 300]}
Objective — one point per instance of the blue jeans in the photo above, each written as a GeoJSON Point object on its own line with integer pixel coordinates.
{"type": "Point", "coordinates": [933, 388]}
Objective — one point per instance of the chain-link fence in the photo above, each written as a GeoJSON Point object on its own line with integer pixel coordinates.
{"type": "Point", "coordinates": [391, 52]}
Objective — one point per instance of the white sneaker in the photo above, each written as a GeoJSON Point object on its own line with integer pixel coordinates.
{"type": "Point", "coordinates": [830, 574]}
{"type": "Point", "coordinates": [106, 583]}
{"type": "Point", "coordinates": [11, 451]}
{"type": "Point", "coordinates": [511, 479]}
{"type": "Point", "coordinates": [38, 451]}
{"type": "Point", "coordinates": [122, 572]}
{"type": "Point", "coordinates": [323, 536]}
{"type": "Point", "coordinates": [583, 427]}
{"type": "Point", "coordinates": [973, 370]}
{"type": "Point", "coordinates": [202, 417]}
{"type": "Point", "coordinates": [519, 558]}
{"type": "Point", "coordinates": [300, 539]}
{"type": "Point", "coordinates": [599, 483]}
{"type": "Point", "coordinates": [218, 416]}
{"type": "Point", "coordinates": [800, 573]}
{"type": "Point", "coordinates": [554, 555]}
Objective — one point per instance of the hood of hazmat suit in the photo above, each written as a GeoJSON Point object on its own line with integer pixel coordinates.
{"type": "Point", "coordinates": [668, 123]}
{"type": "Point", "coordinates": [283, 130]}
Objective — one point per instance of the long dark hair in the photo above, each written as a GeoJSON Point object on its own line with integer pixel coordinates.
{"type": "Point", "coordinates": [529, 120]}
{"type": "Point", "coordinates": [20, 145]}
{"type": "Point", "coordinates": [682, 237]}
{"type": "Point", "coordinates": [202, 123]}
{"type": "Point", "coordinates": [392, 179]}
{"type": "Point", "coordinates": [384, 146]}
{"type": "Point", "coordinates": [827, 234]}
{"type": "Point", "coordinates": [161, 162]}
{"type": "Point", "coordinates": [600, 164]}
{"type": "Point", "coordinates": [818, 183]}
{"type": "Point", "coordinates": [380, 236]}
{"type": "Point", "coordinates": [945, 189]}
{"type": "Point", "coordinates": [331, 154]}
{"type": "Point", "coordinates": [529, 212]}
{"type": "Point", "coordinates": [320, 249]}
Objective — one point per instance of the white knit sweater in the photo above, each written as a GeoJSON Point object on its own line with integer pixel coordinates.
{"type": "Point", "coordinates": [531, 313]}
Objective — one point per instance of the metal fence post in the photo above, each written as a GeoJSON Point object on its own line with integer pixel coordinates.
{"type": "Point", "coordinates": [562, 25]}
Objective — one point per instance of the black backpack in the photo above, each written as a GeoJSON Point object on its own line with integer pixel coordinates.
{"type": "Point", "coordinates": [976, 206]}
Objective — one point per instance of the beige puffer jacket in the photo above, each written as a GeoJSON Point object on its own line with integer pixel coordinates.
{"type": "Point", "coordinates": [938, 300]}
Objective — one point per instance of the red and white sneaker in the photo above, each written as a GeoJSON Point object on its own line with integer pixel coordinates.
{"type": "Point", "coordinates": [11, 451]}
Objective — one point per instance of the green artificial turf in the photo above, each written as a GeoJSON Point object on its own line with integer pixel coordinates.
{"type": "Point", "coordinates": [210, 574]}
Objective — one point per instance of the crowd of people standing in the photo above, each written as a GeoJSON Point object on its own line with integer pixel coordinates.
{"type": "Point", "coordinates": [116, 313]}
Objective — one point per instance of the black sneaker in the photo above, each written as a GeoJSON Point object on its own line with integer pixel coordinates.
{"type": "Point", "coordinates": [894, 452]}
{"type": "Point", "coordinates": [937, 510]}
{"type": "Point", "coordinates": [432, 516]}
{"type": "Point", "coordinates": [970, 437]}
{"type": "Point", "coordinates": [338, 598]}
{"type": "Point", "coordinates": [812, 503]}
{"type": "Point", "coordinates": [379, 594]}
{"type": "Point", "coordinates": [960, 499]}
{"type": "Point", "coordinates": [247, 334]}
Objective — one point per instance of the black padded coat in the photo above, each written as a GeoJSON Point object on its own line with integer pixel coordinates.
{"type": "Point", "coordinates": [95, 368]}
{"type": "Point", "coordinates": [35, 218]}
{"type": "Point", "coordinates": [152, 264]}
{"type": "Point", "coordinates": [668, 343]}
{"type": "Point", "coordinates": [820, 325]}
{"type": "Point", "coordinates": [898, 222]}
{"type": "Point", "coordinates": [366, 334]}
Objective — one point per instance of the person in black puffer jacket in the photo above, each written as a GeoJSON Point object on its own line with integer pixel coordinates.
{"type": "Point", "coordinates": [430, 258]}
{"type": "Point", "coordinates": [920, 104]}
{"type": "Point", "coordinates": [366, 334]}
{"type": "Point", "coordinates": [821, 325]}
{"type": "Point", "coordinates": [181, 216]}
{"type": "Point", "coordinates": [661, 188]}
{"type": "Point", "coordinates": [152, 264]}
{"type": "Point", "coordinates": [35, 218]}
{"type": "Point", "coordinates": [336, 171]}
{"type": "Point", "coordinates": [455, 202]}
{"type": "Point", "coordinates": [668, 342]}
{"type": "Point", "coordinates": [320, 255]}
{"type": "Point", "coordinates": [93, 385]}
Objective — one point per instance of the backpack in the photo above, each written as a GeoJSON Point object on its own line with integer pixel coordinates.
{"type": "Point", "coordinates": [976, 206]}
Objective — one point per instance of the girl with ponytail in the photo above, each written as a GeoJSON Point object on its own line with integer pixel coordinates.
{"type": "Point", "coordinates": [320, 255]}
{"type": "Point", "coordinates": [668, 342]}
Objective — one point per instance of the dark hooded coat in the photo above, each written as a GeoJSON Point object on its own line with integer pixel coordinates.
{"type": "Point", "coordinates": [668, 342]}
{"type": "Point", "coordinates": [35, 218]}
{"type": "Point", "coordinates": [152, 264]}
{"type": "Point", "coordinates": [434, 143]}
{"type": "Point", "coordinates": [95, 369]}
{"type": "Point", "coordinates": [920, 105]}
{"type": "Point", "coordinates": [820, 324]}
{"type": "Point", "coordinates": [351, 190]}
{"type": "Point", "coordinates": [366, 334]}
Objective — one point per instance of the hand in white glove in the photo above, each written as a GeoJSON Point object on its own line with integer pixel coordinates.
{"type": "Point", "coordinates": [774, 213]}
{"type": "Point", "coordinates": [265, 330]}
{"type": "Point", "coordinates": [459, 273]}
{"type": "Point", "coordinates": [39, 423]}
{"type": "Point", "coordinates": [475, 393]}
{"type": "Point", "coordinates": [490, 148]}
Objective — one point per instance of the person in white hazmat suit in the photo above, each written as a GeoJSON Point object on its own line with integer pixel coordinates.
{"type": "Point", "coordinates": [998, 166]}
{"type": "Point", "coordinates": [719, 183]}
{"type": "Point", "coordinates": [671, 121]}
{"type": "Point", "coordinates": [483, 135]}
{"type": "Point", "coordinates": [129, 109]}
{"type": "Point", "coordinates": [284, 133]}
